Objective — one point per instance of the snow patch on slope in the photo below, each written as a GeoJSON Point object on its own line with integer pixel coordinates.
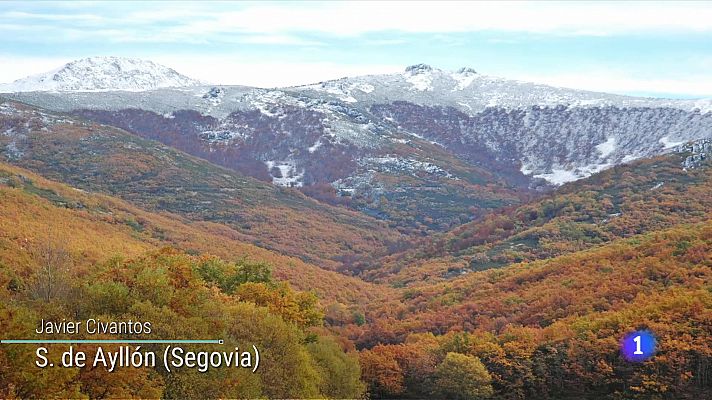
{"type": "Point", "coordinates": [669, 144]}
{"type": "Point", "coordinates": [559, 176]}
{"type": "Point", "coordinates": [315, 146]}
{"type": "Point", "coordinates": [365, 87]}
{"type": "Point", "coordinates": [284, 173]}
{"type": "Point", "coordinates": [607, 148]}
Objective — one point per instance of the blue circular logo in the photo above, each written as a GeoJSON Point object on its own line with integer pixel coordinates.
{"type": "Point", "coordinates": [638, 346]}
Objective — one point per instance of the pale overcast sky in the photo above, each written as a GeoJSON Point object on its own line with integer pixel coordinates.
{"type": "Point", "coordinates": [639, 48]}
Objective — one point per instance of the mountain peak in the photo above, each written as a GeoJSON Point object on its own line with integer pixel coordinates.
{"type": "Point", "coordinates": [102, 74]}
{"type": "Point", "coordinates": [466, 71]}
{"type": "Point", "coordinates": [418, 68]}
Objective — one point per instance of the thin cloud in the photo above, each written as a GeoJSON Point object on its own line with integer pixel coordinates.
{"type": "Point", "coordinates": [15, 15]}
{"type": "Point", "coordinates": [348, 19]}
{"type": "Point", "coordinates": [278, 40]}
{"type": "Point", "coordinates": [358, 18]}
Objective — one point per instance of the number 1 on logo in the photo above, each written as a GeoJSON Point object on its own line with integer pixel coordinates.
{"type": "Point", "coordinates": [637, 345]}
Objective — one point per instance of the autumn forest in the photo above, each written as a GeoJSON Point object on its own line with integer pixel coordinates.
{"type": "Point", "coordinates": [527, 295]}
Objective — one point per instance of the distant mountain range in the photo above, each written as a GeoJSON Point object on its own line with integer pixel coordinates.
{"type": "Point", "coordinates": [102, 74]}
{"type": "Point", "coordinates": [424, 149]}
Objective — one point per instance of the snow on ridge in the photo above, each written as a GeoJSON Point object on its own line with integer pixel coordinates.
{"type": "Point", "coordinates": [102, 74]}
{"type": "Point", "coordinates": [420, 83]}
{"type": "Point", "coordinates": [340, 88]}
{"type": "Point", "coordinates": [464, 78]}
{"type": "Point", "coordinates": [704, 105]}
{"type": "Point", "coordinates": [474, 92]}
{"type": "Point", "coordinates": [420, 76]}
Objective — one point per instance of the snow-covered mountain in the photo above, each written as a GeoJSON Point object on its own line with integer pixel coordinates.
{"type": "Point", "coordinates": [102, 74]}
{"type": "Point", "coordinates": [471, 92]}
{"type": "Point", "coordinates": [424, 139]}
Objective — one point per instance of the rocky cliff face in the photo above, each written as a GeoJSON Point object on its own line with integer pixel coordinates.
{"type": "Point", "coordinates": [698, 151]}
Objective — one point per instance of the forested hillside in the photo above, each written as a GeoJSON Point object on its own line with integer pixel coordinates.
{"type": "Point", "coordinates": [182, 296]}
{"type": "Point", "coordinates": [639, 197]}
{"type": "Point", "coordinates": [66, 252]}
{"type": "Point", "coordinates": [92, 227]}
{"type": "Point", "coordinates": [551, 328]}
{"type": "Point", "coordinates": [525, 301]}
{"type": "Point", "coordinates": [105, 159]}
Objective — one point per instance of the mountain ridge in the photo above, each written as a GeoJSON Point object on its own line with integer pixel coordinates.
{"type": "Point", "coordinates": [465, 77]}
{"type": "Point", "coordinates": [103, 73]}
{"type": "Point", "coordinates": [398, 146]}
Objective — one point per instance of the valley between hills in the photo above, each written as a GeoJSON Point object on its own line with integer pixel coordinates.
{"type": "Point", "coordinates": [373, 247]}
